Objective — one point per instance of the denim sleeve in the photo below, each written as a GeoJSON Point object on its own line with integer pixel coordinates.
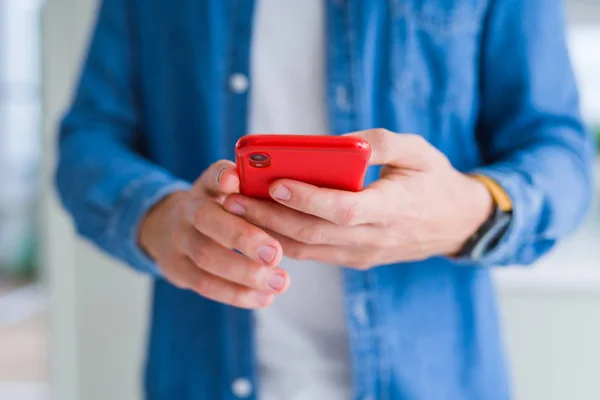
{"type": "Point", "coordinates": [530, 131]}
{"type": "Point", "coordinates": [102, 177]}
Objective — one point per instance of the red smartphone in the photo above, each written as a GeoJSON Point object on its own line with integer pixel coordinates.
{"type": "Point", "coordinates": [335, 162]}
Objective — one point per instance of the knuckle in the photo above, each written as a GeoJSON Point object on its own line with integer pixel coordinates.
{"type": "Point", "coordinates": [297, 252]}
{"type": "Point", "coordinates": [252, 277]}
{"type": "Point", "coordinates": [311, 234]}
{"type": "Point", "coordinates": [204, 285]}
{"type": "Point", "coordinates": [441, 159]}
{"type": "Point", "coordinates": [245, 236]}
{"type": "Point", "coordinates": [380, 133]}
{"type": "Point", "coordinates": [431, 155]}
{"type": "Point", "coordinates": [381, 138]}
{"type": "Point", "coordinates": [239, 238]}
{"type": "Point", "coordinates": [240, 298]}
{"type": "Point", "coordinates": [201, 255]}
{"type": "Point", "coordinates": [311, 202]}
{"type": "Point", "coordinates": [349, 214]}
{"type": "Point", "coordinates": [261, 217]}
{"type": "Point", "coordinates": [268, 219]}
{"type": "Point", "coordinates": [417, 139]}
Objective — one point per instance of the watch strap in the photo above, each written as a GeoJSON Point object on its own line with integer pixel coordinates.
{"type": "Point", "coordinates": [487, 236]}
{"type": "Point", "coordinates": [501, 198]}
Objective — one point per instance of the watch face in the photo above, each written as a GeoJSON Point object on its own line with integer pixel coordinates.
{"type": "Point", "coordinates": [488, 236]}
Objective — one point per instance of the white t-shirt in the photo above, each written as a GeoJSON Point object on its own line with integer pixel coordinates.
{"type": "Point", "coordinates": [302, 346]}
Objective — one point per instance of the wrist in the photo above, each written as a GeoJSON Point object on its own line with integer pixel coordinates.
{"type": "Point", "coordinates": [155, 224]}
{"type": "Point", "coordinates": [483, 201]}
{"type": "Point", "coordinates": [478, 207]}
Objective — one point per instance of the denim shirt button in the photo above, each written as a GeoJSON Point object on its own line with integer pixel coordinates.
{"type": "Point", "coordinates": [360, 310]}
{"type": "Point", "coordinates": [342, 100]}
{"type": "Point", "coordinates": [241, 388]}
{"type": "Point", "coordinates": [238, 83]}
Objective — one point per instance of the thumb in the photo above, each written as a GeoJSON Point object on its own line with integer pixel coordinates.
{"type": "Point", "coordinates": [399, 150]}
{"type": "Point", "coordinates": [220, 178]}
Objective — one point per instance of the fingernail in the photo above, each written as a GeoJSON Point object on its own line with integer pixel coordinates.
{"type": "Point", "coordinates": [267, 253]}
{"type": "Point", "coordinates": [276, 281]}
{"type": "Point", "coordinates": [282, 193]}
{"type": "Point", "coordinates": [220, 173]}
{"type": "Point", "coordinates": [263, 299]}
{"type": "Point", "coordinates": [236, 208]}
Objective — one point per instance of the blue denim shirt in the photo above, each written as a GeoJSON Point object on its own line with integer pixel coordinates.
{"type": "Point", "coordinates": [488, 82]}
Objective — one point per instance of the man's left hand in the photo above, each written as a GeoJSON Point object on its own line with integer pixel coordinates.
{"type": "Point", "coordinates": [420, 207]}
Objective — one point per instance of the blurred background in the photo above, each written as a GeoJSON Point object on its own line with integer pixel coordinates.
{"type": "Point", "coordinates": [73, 324]}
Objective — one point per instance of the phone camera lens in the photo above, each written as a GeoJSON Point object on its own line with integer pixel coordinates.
{"type": "Point", "coordinates": [259, 160]}
{"type": "Point", "coordinates": [258, 157]}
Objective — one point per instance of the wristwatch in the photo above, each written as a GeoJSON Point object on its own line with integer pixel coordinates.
{"type": "Point", "coordinates": [491, 231]}
{"type": "Point", "coordinates": [487, 236]}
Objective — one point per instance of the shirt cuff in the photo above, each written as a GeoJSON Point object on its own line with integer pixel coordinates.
{"type": "Point", "coordinates": [525, 203]}
{"type": "Point", "coordinates": [140, 196]}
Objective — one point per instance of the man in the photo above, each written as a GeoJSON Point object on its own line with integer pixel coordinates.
{"type": "Point", "coordinates": [381, 294]}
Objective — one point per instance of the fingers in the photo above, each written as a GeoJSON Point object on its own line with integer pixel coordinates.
{"type": "Point", "coordinates": [337, 206]}
{"type": "Point", "coordinates": [220, 178]}
{"type": "Point", "coordinates": [301, 227]}
{"type": "Point", "coordinates": [357, 257]}
{"type": "Point", "coordinates": [231, 266]}
{"type": "Point", "coordinates": [233, 232]}
{"type": "Point", "coordinates": [216, 288]}
{"type": "Point", "coordinates": [353, 257]}
{"type": "Point", "coordinates": [400, 150]}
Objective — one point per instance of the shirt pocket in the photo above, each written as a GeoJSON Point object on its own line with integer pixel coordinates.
{"type": "Point", "coordinates": [435, 52]}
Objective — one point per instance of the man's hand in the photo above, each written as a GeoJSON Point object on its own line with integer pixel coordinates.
{"type": "Point", "coordinates": [192, 238]}
{"type": "Point", "coordinates": [420, 207]}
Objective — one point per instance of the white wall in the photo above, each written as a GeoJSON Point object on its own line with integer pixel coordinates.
{"type": "Point", "coordinates": [554, 343]}
{"type": "Point", "coordinates": [99, 309]}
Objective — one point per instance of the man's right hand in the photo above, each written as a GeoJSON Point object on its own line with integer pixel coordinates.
{"type": "Point", "coordinates": [191, 237]}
